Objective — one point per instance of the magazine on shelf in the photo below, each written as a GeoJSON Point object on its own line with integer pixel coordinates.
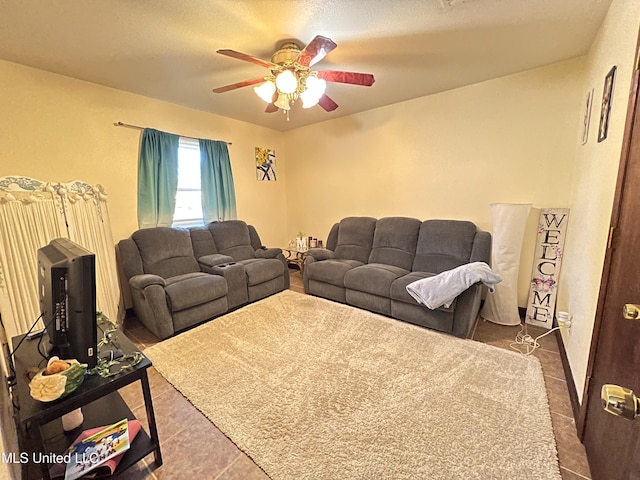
{"type": "Point", "coordinates": [96, 452]}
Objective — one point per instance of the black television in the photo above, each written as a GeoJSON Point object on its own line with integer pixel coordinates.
{"type": "Point", "coordinates": [67, 292]}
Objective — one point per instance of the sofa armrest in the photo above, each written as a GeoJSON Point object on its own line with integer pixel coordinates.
{"type": "Point", "coordinates": [319, 254]}
{"type": "Point", "coordinates": [214, 259]}
{"type": "Point", "coordinates": [129, 259]}
{"type": "Point", "coordinates": [466, 311]}
{"type": "Point", "coordinates": [152, 309]}
{"type": "Point", "coordinates": [265, 252]}
{"type": "Point", "coordinates": [141, 282]}
{"type": "Point", "coordinates": [481, 250]}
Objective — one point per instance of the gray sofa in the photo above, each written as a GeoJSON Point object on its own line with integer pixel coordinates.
{"type": "Point", "coordinates": [181, 277]}
{"type": "Point", "coordinates": [368, 263]}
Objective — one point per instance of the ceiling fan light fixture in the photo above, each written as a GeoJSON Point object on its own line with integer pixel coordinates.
{"type": "Point", "coordinates": [315, 88]}
{"type": "Point", "coordinates": [287, 82]}
{"type": "Point", "coordinates": [283, 102]}
{"type": "Point", "coordinates": [309, 101]}
{"type": "Point", "coordinates": [265, 91]}
{"type": "Point", "coordinates": [291, 77]}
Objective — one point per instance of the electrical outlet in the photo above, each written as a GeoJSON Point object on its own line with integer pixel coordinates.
{"type": "Point", "coordinates": [564, 319]}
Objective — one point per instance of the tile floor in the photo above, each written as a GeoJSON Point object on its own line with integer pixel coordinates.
{"type": "Point", "coordinates": [183, 430]}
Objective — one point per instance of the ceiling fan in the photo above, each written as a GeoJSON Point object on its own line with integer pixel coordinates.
{"type": "Point", "coordinates": [292, 78]}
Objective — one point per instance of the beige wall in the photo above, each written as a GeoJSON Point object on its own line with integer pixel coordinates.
{"type": "Point", "coordinates": [594, 180]}
{"type": "Point", "coordinates": [55, 128]}
{"type": "Point", "coordinates": [447, 155]}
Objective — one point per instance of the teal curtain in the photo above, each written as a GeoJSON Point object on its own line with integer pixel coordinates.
{"type": "Point", "coordinates": [218, 192]}
{"type": "Point", "coordinates": [157, 178]}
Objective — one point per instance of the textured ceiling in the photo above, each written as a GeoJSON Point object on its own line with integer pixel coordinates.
{"type": "Point", "coordinates": [165, 49]}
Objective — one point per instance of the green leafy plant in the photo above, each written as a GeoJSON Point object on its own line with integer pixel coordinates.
{"type": "Point", "coordinates": [103, 367]}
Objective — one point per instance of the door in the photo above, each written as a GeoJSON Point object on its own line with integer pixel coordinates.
{"type": "Point", "coordinates": [612, 442]}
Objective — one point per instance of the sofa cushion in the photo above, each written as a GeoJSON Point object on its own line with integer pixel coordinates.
{"type": "Point", "coordinates": [399, 290]}
{"type": "Point", "coordinates": [165, 251]}
{"type": "Point", "coordinates": [355, 238]}
{"type": "Point", "coordinates": [443, 245]}
{"type": "Point", "coordinates": [374, 278]}
{"type": "Point", "coordinates": [202, 241]}
{"type": "Point", "coordinates": [260, 270]}
{"type": "Point", "coordinates": [394, 241]}
{"type": "Point", "coordinates": [214, 259]}
{"type": "Point", "coordinates": [232, 238]}
{"type": "Point", "coordinates": [128, 258]}
{"type": "Point", "coordinates": [185, 291]}
{"type": "Point", "coordinates": [332, 238]}
{"type": "Point", "coordinates": [330, 271]}
{"type": "Point", "coordinates": [256, 243]}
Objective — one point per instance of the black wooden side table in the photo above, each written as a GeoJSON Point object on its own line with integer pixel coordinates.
{"type": "Point", "coordinates": [39, 425]}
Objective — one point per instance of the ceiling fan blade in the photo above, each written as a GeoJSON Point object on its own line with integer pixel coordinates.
{"type": "Point", "coordinates": [246, 58]}
{"type": "Point", "coordinates": [233, 86]}
{"type": "Point", "coordinates": [328, 104]}
{"type": "Point", "coordinates": [315, 51]}
{"type": "Point", "coordinates": [364, 79]}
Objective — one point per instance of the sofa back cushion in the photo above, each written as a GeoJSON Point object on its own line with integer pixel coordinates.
{"type": "Point", "coordinates": [394, 241]}
{"type": "Point", "coordinates": [165, 251]}
{"type": "Point", "coordinates": [202, 242]}
{"type": "Point", "coordinates": [256, 243]}
{"type": "Point", "coordinates": [481, 248]}
{"type": "Point", "coordinates": [128, 257]}
{"type": "Point", "coordinates": [355, 238]}
{"type": "Point", "coordinates": [332, 238]}
{"type": "Point", "coordinates": [232, 238]}
{"type": "Point", "coordinates": [443, 245]}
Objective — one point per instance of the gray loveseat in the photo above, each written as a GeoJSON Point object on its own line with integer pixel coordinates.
{"type": "Point", "coordinates": [368, 263]}
{"type": "Point", "coordinates": [181, 277]}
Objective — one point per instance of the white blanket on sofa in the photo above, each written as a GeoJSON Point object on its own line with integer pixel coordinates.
{"type": "Point", "coordinates": [442, 289]}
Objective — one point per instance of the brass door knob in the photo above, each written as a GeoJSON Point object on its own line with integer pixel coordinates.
{"type": "Point", "coordinates": [620, 401]}
{"type": "Point", "coordinates": [631, 311]}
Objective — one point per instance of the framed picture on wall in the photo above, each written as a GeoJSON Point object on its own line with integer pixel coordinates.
{"type": "Point", "coordinates": [587, 116]}
{"type": "Point", "coordinates": [607, 97]}
{"type": "Point", "coordinates": [265, 164]}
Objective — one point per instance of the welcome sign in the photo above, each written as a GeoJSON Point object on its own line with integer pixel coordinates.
{"type": "Point", "coordinates": [552, 229]}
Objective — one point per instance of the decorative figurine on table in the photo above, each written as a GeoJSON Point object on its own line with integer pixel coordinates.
{"type": "Point", "coordinates": [57, 380]}
{"type": "Point", "coordinates": [301, 242]}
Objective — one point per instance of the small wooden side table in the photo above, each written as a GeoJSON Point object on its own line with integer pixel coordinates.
{"type": "Point", "coordinates": [39, 426]}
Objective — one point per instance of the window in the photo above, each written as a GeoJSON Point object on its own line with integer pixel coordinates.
{"type": "Point", "coordinates": [188, 210]}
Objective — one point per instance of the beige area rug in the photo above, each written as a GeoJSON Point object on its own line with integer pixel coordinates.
{"type": "Point", "coordinates": [312, 389]}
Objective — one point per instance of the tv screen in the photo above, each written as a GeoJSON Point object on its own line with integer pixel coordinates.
{"type": "Point", "coordinates": [67, 292]}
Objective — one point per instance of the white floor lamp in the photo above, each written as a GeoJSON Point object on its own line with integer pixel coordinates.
{"type": "Point", "coordinates": [509, 221]}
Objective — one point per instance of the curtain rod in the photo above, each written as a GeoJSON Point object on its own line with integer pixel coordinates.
{"type": "Point", "coordinates": [120, 124]}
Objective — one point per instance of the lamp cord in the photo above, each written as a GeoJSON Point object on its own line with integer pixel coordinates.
{"type": "Point", "coordinates": [530, 344]}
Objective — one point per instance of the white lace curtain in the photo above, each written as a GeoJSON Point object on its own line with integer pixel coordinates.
{"type": "Point", "coordinates": [32, 213]}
